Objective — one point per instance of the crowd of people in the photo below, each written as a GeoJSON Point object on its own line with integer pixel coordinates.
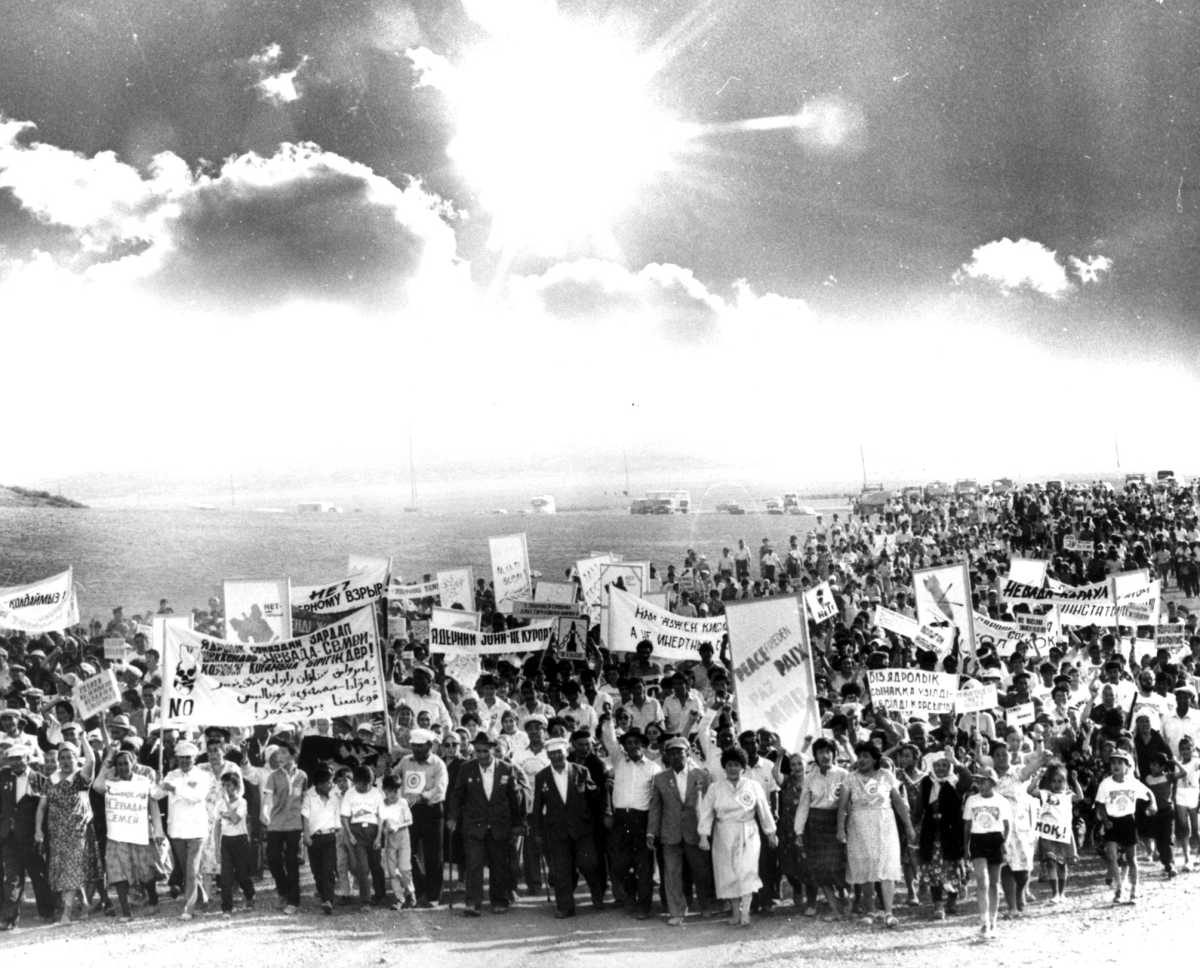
{"type": "Point", "coordinates": [629, 773]}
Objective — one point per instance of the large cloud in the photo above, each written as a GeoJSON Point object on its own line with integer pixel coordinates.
{"type": "Point", "coordinates": [1015, 265]}
{"type": "Point", "coordinates": [301, 222]}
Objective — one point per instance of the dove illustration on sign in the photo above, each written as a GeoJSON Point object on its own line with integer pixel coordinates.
{"type": "Point", "coordinates": [941, 597]}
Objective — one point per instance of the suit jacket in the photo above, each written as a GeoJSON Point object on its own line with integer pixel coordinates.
{"type": "Point", "coordinates": [556, 820]}
{"type": "Point", "coordinates": [17, 817]}
{"type": "Point", "coordinates": [477, 815]}
{"type": "Point", "coordinates": [673, 820]}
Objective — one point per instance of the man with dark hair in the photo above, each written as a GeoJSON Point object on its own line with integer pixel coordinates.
{"type": "Point", "coordinates": [562, 815]}
{"type": "Point", "coordinates": [320, 814]}
{"type": "Point", "coordinates": [632, 860]}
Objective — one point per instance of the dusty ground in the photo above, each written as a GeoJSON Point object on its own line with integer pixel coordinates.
{"type": "Point", "coordinates": [1090, 931]}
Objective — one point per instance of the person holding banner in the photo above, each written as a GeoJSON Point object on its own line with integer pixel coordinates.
{"type": "Point", "coordinates": [134, 825]}
{"type": "Point", "coordinates": [731, 813]}
{"type": "Point", "coordinates": [867, 810]}
{"type": "Point", "coordinates": [64, 823]}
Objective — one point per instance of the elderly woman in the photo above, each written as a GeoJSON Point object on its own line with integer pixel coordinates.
{"type": "Point", "coordinates": [867, 826]}
{"type": "Point", "coordinates": [822, 854]}
{"type": "Point", "coordinates": [64, 823]}
{"type": "Point", "coordinates": [731, 812]}
{"type": "Point", "coordinates": [134, 828]}
{"type": "Point", "coordinates": [937, 816]}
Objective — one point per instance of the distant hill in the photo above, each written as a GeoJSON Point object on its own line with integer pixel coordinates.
{"type": "Point", "coordinates": [23, 497]}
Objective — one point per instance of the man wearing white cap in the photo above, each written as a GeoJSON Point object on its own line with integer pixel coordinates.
{"type": "Point", "coordinates": [563, 793]}
{"type": "Point", "coordinates": [531, 761]}
{"type": "Point", "coordinates": [424, 780]}
{"type": "Point", "coordinates": [187, 790]}
{"type": "Point", "coordinates": [20, 856]}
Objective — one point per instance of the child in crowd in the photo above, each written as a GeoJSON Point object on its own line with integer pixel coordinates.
{"type": "Point", "coordinates": [235, 844]}
{"type": "Point", "coordinates": [987, 822]}
{"type": "Point", "coordinates": [1055, 824]}
{"type": "Point", "coordinates": [1187, 799]}
{"type": "Point", "coordinates": [345, 861]}
{"type": "Point", "coordinates": [1160, 780]}
{"type": "Point", "coordinates": [1116, 804]}
{"type": "Point", "coordinates": [361, 823]}
{"type": "Point", "coordinates": [396, 817]}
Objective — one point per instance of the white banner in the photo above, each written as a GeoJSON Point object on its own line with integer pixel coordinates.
{"type": "Point", "coordinates": [97, 694]}
{"type": "Point", "coordinates": [943, 595]}
{"type": "Point", "coordinates": [911, 691]}
{"type": "Point", "coordinates": [1028, 571]}
{"type": "Point", "coordinates": [257, 611]}
{"type": "Point", "coordinates": [456, 587]}
{"type": "Point", "coordinates": [523, 609]}
{"type": "Point", "coordinates": [336, 671]}
{"type": "Point", "coordinates": [591, 573]}
{"type": "Point", "coordinates": [456, 618]}
{"type": "Point", "coordinates": [885, 618]}
{"type": "Point", "coordinates": [1169, 636]}
{"type": "Point", "coordinates": [115, 648]}
{"type": "Point", "coordinates": [675, 637]}
{"type": "Point", "coordinates": [1020, 715]}
{"type": "Point", "coordinates": [412, 594]}
{"type": "Point", "coordinates": [820, 602]}
{"type": "Point", "coordinates": [47, 605]}
{"type": "Point", "coordinates": [127, 810]}
{"type": "Point", "coordinates": [1071, 543]}
{"type": "Point", "coordinates": [359, 589]}
{"type": "Point", "coordinates": [976, 699]}
{"type": "Point", "coordinates": [450, 638]}
{"type": "Point", "coordinates": [159, 625]}
{"type": "Point", "coordinates": [773, 669]}
{"type": "Point", "coordinates": [558, 592]}
{"type": "Point", "coordinates": [1106, 613]}
{"type": "Point", "coordinates": [510, 569]}
{"type": "Point", "coordinates": [1055, 591]}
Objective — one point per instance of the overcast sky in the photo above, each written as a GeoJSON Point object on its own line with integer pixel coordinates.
{"type": "Point", "coordinates": [277, 234]}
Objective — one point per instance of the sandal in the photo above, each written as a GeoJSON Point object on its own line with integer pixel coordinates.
{"type": "Point", "coordinates": [891, 921]}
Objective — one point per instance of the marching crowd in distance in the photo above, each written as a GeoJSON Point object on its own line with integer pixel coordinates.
{"type": "Point", "coordinates": [630, 773]}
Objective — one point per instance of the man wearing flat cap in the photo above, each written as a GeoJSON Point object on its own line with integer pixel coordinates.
{"type": "Point", "coordinates": [563, 798]}
{"type": "Point", "coordinates": [424, 780]}
{"type": "Point", "coordinates": [675, 795]}
{"type": "Point", "coordinates": [488, 801]}
{"type": "Point", "coordinates": [20, 856]}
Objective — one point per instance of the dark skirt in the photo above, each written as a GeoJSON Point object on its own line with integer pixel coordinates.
{"type": "Point", "coordinates": [824, 856]}
{"type": "Point", "coordinates": [989, 847]}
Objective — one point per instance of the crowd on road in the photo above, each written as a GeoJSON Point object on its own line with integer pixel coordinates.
{"type": "Point", "coordinates": [635, 775]}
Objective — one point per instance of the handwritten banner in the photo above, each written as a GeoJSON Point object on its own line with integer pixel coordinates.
{"type": "Point", "coordinates": [359, 589]}
{"type": "Point", "coordinates": [127, 810]}
{"type": "Point", "coordinates": [912, 691]}
{"type": "Point", "coordinates": [97, 694]}
{"type": "Point", "coordinates": [336, 671]}
{"type": "Point", "coordinates": [773, 670]}
{"type": "Point", "coordinates": [535, 609]}
{"type": "Point", "coordinates": [678, 637]}
{"type": "Point", "coordinates": [114, 649]}
{"type": "Point", "coordinates": [591, 574]}
{"type": "Point", "coordinates": [975, 699]}
{"type": "Point", "coordinates": [896, 622]}
{"type": "Point", "coordinates": [47, 605]}
{"type": "Point", "coordinates": [257, 611]}
{"type": "Point", "coordinates": [1078, 545]}
{"type": "Point", "coordinates": [511, 579]}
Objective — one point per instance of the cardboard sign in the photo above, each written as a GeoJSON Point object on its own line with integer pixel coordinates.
{"type": "Point", "coordinates": [456, 587]}
{"type": "Point", "coordinates": [913, 691]}
{"type": "Point", "coordinates": [557, 592]}
{"type": "Point", "coordinates": [896, 622]}
{"type": "Point", "coordinates": [976, 699]}
{"type": "Point", "coordinates": [127, 810]}
{"type": "Point", "coordinates": [535, 609]}
{"type": "Point", "coordinates": [572, 637]}
{"type": "Point", "coordinates": [1169, 636]}
{"type": "Point", "coordinates": [820, 602]}
{"type": "Point", "coordinates": [97, 694]}
{"type": "Point", "coordinates": [114, 649]}
{"type": "Point", "coordinates": [1021, 715]}
{"type": "Point", "coordinates": [1071, 543]}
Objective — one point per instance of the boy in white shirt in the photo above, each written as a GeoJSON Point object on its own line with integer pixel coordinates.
{"type": "Point", "coordinates": [395, 818]}
{"type": "Point", "coordinates": [235, 844]}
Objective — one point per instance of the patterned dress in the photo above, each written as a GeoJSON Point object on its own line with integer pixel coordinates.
{"type": "Point", "coordinates": [872, 841]}
{"type": "Point", "coordinates": [74, 858]}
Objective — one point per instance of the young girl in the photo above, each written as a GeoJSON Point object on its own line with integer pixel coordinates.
{"type": "Point", "coordinates": [395, 818]}
{"type": "Point", "coordinates": [987, 822]}
{"type": "Point", "coordinates": [1187, 799]}
{"type": "Point", "coordinates": [1116, 803]}
{"type": "Point", "coordinates": [1055, 823]}
{"type": "Point", "coordinates": [1160, 781]}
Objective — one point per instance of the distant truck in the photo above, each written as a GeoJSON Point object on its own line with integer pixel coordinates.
{"type": "Point", "coordinates": [966, 488]}
{"type": "Point", "coordinates": [1164, 477]}
{"type": "Point", "coordinates": [937, 489]}
{"type": "Point", "coordinates": [1002, 485]}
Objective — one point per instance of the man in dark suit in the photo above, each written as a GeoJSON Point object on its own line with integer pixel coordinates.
{"type": "Point", "coordinates": [563, 798]}
{"type": "Point", "coordinates": [674, 816]}
{"type": "Point", "coordinates": [488, 802]}
{"type": "Point", "coordinates": [20, 856]}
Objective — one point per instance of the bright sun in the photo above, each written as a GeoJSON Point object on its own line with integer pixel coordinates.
{"type": "Point", "coordinates": [556, 130]}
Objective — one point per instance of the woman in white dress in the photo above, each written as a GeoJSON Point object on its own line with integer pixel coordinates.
{"type": "Point", "coordinates": [731, 812]}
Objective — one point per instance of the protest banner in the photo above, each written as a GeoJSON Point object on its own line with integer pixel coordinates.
{"type": "Point", "coordinates": [127, 810]}
{"type": "Point", "coordinates": [820, 603]}
{"type": "Point", "coordinates": [591, 586]}
{"type": "Point", "coordinates": [1078, 545]}
{"type": "Point", "coordinates": [257, 611]}
{"type": "Point", "coordinates": [1105, 612]}
{"type": "Point", "coordinates": [885, 618]}
{"type": "Point", "coordinates": [511, 579]}
{"type": "Point", "coordinates": [913, 692]}
{"type": "Point", "coordinates": [675, 637]}
{"type": "Point", "coordinates": [943, 595]}
{"type": "Point", "coordinates": [412, 594]}
{"type": "Point", "coordinates": [336, 598]}
{"type": "Point", "coordinates": [47, 605]}
{"type": "Point", "coordinates": [336, 671]}
{"type": "Point", "coordinates": [450, 639]}
{"type": "Point", "coordinates": [368, 564]}
{"type": "Point", "coordinates": [1169, 636]}
{"type": "Point", "coordinates": [524, 609]}
{"type": "Point", "coordinates": [773, 669]}
{"type": "Point", "coordinates": [931, 638]}
{"type": "Point", "coordinates": [1020, 715]}
{"type": "Point", "coordinates": [456, 587]}
{"type": "Point", "coordinates": [556, 592]}
{"type": "Point", "coordinates": [630, 576]}
{"type": "Point", "coordinates": [465, 668]}
{"type": "Point", "coordinates": [656, 598]}
{"type": "Point", "coordinates": [571, 637]}
{"type": "Point", "coordinates": [418, 630]}
{"type": "Point", "coordinates": [159, 625]}
{"type": "Point", "coordinates": [1028, 571]}
{"type": "Point", "coordinates": [1055, 591]}
{"type": "Point", "coordinates": [974, 699]}
{"type": "Point", "coordinates": [397, 624]}
{"type": "Point", "coordinates": [114, 649]}
{"type": "Point", "coordinates": [97, 694]}
{"type": "Point", "coordinates": [1127, 587]}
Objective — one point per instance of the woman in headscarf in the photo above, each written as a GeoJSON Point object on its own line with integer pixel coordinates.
{"type": "Point", "coordinates": [64, 823]}
{"type": "Point", "coordinates": [867, 826]}
{"type": "Point", "coordinates": [822, 854]}
{"type": "Point", "coordinates": [731, 812]}
{"type": "Point", "coordinates": [938, 819]}
{"type": "Point", "coordinates": [131, 853]}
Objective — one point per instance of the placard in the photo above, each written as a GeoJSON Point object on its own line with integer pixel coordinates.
{"type": "Point", "coordinates": [912, 691]}
{"type": "Point", "coordinates": [97, 694]}
{"type": "Point", "coordinates": [511, 579]}
{"type": "Point", "coordinates": [944, 595]}
{"type": "Point", "coordinates": [1078, 545]}
{"type": "Point", "coordinates": [897, 622]}
{"type": "Point", "coordinates": [571, 637]}
{"type": "Point", "coordinates": [524, 609]}
{"type": "Point", "coordinates": [1021, 715]}
{"type": "Point", "coordinates": [591, 584]}
{"type": "Point", "coordinates": [257, 611]}
{"type": "Point", "coordinates": [633, 575]}
{"type": "Point", "coordinates": [976, 699]}
{"type": "Point", "coordinates": [557, 592]}
{"type": "Point", "coordinates": [127, 810]}
{"type": "Point", "coordinates": [456, 587]}
{"type": "Point", "coordinates": [47, 605]}
{"type": "Point", "coordinates": [114, 648]}
{"type": "Point", "coordinates": [1028, 571]}
{"type": "Point", "coordinates": [1169, 636]}
{"type": "Point", "coordinates": [820, 603]}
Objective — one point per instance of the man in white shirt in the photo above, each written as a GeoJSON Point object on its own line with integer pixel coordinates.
{"type": "Point", "coordinates": [682, 709]}
{"type": "Point", "coordinates": [321, 813]}
{"type": "Point", "coordinates": [1182, 721]}
{"type": "Point", "coordinates": [419, 697]}
{"type": "Point", "coordinates": [643, 710]}
{"type": "Point", "coordinates": [577, 708]}
{"type": "Point", "coordinates": [188, 825]}
{"type": "Point", "coordinates": [632, 859]}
